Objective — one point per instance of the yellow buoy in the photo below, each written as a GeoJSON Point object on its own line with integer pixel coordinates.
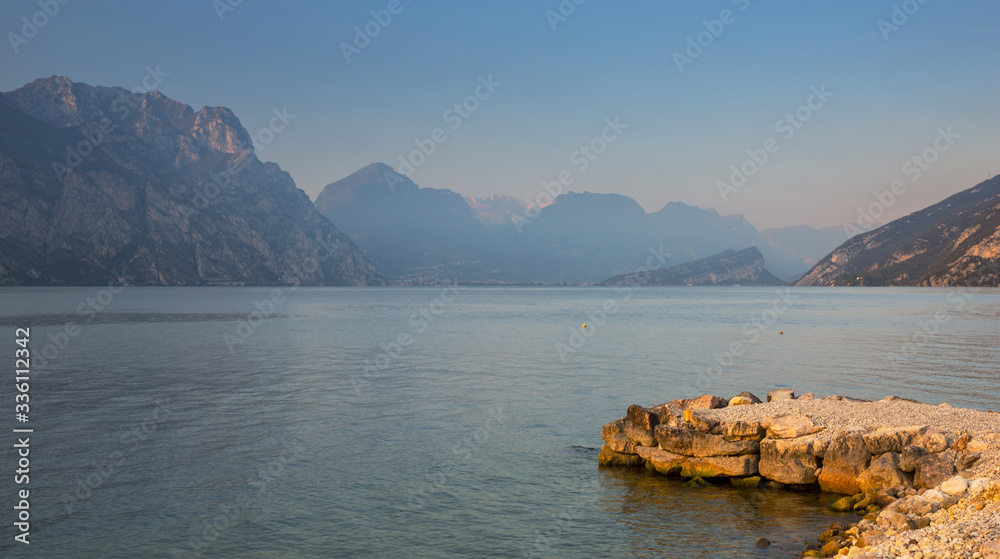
{"type": "Point", "coordinates": [585, 326]}
{"type": "Point", "coordinates": [781, 332]}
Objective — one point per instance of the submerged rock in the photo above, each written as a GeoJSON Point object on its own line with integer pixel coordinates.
{"type": "Point", "coordinates": [610, 458]}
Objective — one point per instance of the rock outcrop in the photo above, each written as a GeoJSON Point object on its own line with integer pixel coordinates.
{"type": "Point", "coordinates": [100, 184]}
{"type": "Point", "coordinates": [899, 477]}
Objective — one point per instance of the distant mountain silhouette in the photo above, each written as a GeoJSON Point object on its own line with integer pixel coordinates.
{"type": "Point", "coordinates": [425, 235]}
{"type": "Point", "coordinates": [729, 267]}
{"type": "Point", "coordinates": [955, 242]}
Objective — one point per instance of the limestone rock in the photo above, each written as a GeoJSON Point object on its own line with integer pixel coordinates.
{"type": "Point", "coordinates": [721, 466]}
{"type": "Point", "coordinates": [806, 396]}
{"type": "Point", "coordinates": [845, 459]}
{"type": "Point", "coordinates": [935, 440]}
{"type": "Point", "coordinates": [883, 473]}
{"type": "Point", "coordinates": [704, 423]}
{"type": "Point", "coordinates": [933, 469]}
{"type": "Point", "coordinates": [750, 396]}
{"type": "Point", "coordinates": [895, 520]}
{"type": "Point", "coordinates": [991, 550]}
{"type": "Point", "coordinates": [610, 458]}
{"type": "Point", "coordinates": [639, 425]}
{"type": "Point", "coordinates": [966, 461]}
{"type": "Point", "coordinates": [955, 485]}
{"type": "Point", "coordinates": [696, 443]}
{"type": "Point", "coordinates": [742, 430]}
{"type": "Point", "coordinates": [614, 435]}
{"type": "Point", "coordinates": [706, 401]}
{"type": "Point", "coordinates": [791, 426]}
{"type": "Point", "coordinates": [893, 439]}
{"type": "Point", "coordinates": [780, 394]}
{"type": "Point", "coordinates": [664, 462]}
{"type": "Point", "coordinates": [740, 401]}
{"type": "Point", "coordinates": [791, 461]}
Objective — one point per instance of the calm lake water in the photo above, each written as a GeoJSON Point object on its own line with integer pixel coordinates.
{"type": "Point", "coordinates": [433, 422]}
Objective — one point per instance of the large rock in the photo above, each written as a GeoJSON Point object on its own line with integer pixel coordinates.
{"type": "Point", "coordinates": [697, 443]}
{"type": "Point", "coordinates": [791, 426]}
{"type": "Point", "coordinates": [893, 439]}
{"type": "Point", "coordinates": [703, 422]}
{"type": "Point", "coordinates": [742, 430]}
{"type": "Point", "coordinates": [932, 469]}
{"type": "Point", "coordinates": [667, 463]}
{"type": "Point", "coordinates": [884, 473]}
{"type": "Point", "coordinates": [991, 550]}
{"type": "Point", "coordinates": [895, 520]}
{"type": "Point", "coordinates": [845, 459]}
{"type": "Point", "coordinates": [936, 440]}
{"type": "Point", "coordinates": [706, 401]}
{"type": "Point", "coordinates": [669, 414]}
{"type": "Point", "coordinates": [614, 435]}
{"type": "Point", "coordinates": [749, 396]}
{"type": "Point", "coordinates": [791, 461]}
{"type": "Point", "coordinates": [721, 466]}
{"type": "Point", "coordinates": [780, 394]}
{"type": "Point", "coordinates": [610, 458]}
{"type": "Point", "coordinates": [639, 425]}
{"type": "Point", "coordinates": [955, 485]}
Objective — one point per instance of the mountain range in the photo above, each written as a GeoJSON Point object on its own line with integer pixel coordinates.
{"type": "Point", "coordinates": [953, 242]}
{"type": "Point", "coordinates": [427, 235]}
{"type": "Point", "coordinates": [99, 183]}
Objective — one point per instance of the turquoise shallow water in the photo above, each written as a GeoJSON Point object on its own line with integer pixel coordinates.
{"type": "Point", "coordinates": [426, 422]}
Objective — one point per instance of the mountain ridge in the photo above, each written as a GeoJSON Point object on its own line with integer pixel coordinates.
{"type": "Point", "coordinates": [97, 179]}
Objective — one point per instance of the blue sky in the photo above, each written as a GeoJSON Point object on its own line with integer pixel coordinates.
{"type": "Point", "coordinates": [892, 89]}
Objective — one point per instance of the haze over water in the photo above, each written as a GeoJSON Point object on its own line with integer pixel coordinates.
{"type": "Point", "coordinates": [476, 439]}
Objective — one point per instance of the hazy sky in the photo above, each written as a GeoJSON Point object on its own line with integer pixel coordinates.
{"type": "Point", "coordinates": [893, 86]}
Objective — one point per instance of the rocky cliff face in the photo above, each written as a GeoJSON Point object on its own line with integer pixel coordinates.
{"type": "Point", "coordinates": [94, 180]}
{"type": "Point", "coordinates": [745, 267]}
{"type": "Point", "coordinates": [955, 242]}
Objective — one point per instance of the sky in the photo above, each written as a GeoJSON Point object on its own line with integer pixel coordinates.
{"type": "Point", "coordinates": [822, 104]}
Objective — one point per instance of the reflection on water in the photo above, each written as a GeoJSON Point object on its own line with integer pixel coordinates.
{"type": "Point", "coordinates": [665, 518]}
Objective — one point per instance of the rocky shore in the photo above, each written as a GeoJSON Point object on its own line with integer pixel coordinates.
{"type": "Point", "coordinates": [924, 480]}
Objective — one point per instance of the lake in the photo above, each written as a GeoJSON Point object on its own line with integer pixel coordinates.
{"type": "Point", "coordinates": [438, 422]}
